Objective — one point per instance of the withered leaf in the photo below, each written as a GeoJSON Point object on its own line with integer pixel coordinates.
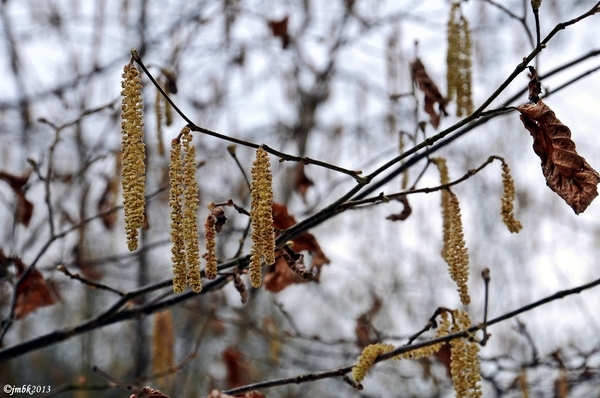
{"type": "Point", "coordinates": [534, 86]}
{"type": "Point", "coordinates": [107, 201]}
{"type": "Point", "coordinates": [403, 215]}
{"type": "Point", "coordinates": [24, 207]}
{"type": "Point", "coordinates": [429, 88]}
{"type": "Point", "coordinates": [280, 29]}
{"type": "Point", "coordinates": [280, 275]}
{"type": "Point", "coordinates": [302, 182]}
{"type": "Point", "coordinates": [148, 392]}
{"type": "Point", "coordinates": [364, 323]}
{"type": "Point", "coordinates": [32, 292]}
{"type": "Point", "coordinates": [238, 370]}
{"type": "Point", "coordinates": [567, 173]}
{"type": "Point", "coordinates": [220, 218]}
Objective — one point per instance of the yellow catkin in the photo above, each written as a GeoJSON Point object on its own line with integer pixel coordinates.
{"type": "Point", "coordinates": [176, 203]}
{"type": "Point", "coordinates": [163, 342]}
{"type": "Point", "coordinates": [210, 255]}
{"type": "Point", "coordinates": [274, 339]}
{"type": "Point", "coordinates": [464, 360]}
{"type": "Point", "coordinates": [261, 215]}
{"type": "Point", "coordinates": [367, 358]}
{"type": "Point", "coordinates": [158, 112]}
{"type": "Point", "coordinates": [453, 52]}
{"type": "Point", "coordinates": [190, 212]}
{"type": "Point", "coordinates": [523, 384]}
{"type": "Point", "coordinates": [457, 255]}
{"type": "Point", "coordinates": [454, 250]}
{"type": "Point", "coordinates": [508, 199]}
{"type": "Point", "coordinates": [168, 114]}
{"type": "Point", "coordinates": [458, 61]}
{"type": "Point", "coordinates": [133, 154]}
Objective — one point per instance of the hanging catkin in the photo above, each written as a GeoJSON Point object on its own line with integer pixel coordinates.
{"type": "Point", "coordinates": [458, 62]}
{"type": "Point", "coordinates": [133, 154]}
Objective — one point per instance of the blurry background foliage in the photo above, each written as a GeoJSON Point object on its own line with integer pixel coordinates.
{"type": "Point", "coordinates": [325, 79]}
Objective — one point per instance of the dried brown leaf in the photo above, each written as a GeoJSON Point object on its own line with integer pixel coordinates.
{"type": "Point", "coordinates": [364, 323]}
{"type": "Point", "coordinates": [279, 276]}
{"type": "Point", "coordinates": [280, 29]}
{"type": "Point", "coordinates": [431, 91]}
{"type": "Point", "coordinates": [24, 207]}
{"type": "Point", "coordinates": [107, 201]}
{"type": "Point", "coordinates": [534, 86]}
{"type": "Point", "coordinates": [219, 214]}
{"type": "Point", "coordinates": [238, 370]}
{"type": "Point", "coordinates": [403, 215]}
{"type": "Point", "coordinates": [32, 292]}
{"type": "Point", "coordinates": [302, 182]}
{"type": "Point", "coordinates": [567, 173]}
{"type": "Point", "coordinates": [148, 392]}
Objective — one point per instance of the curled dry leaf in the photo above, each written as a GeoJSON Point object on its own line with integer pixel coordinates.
{"type": "Point", "coordinates": [288, 268]}
{"type": "Point", "coordinates": [220, 218]}
{"type": "Point", "coordinates": [429, 88]}
{"type": "Point", "coordinates": [148, 392]}
{"type": "Point", "coordinates": [364, 323]}
{"type": "Point", "coordinates": [279, 276]}
{"type": "Point", "coordinates": [302, 182]}
{"type": "Point", "coordinates": [107, 201]}
{"type": "Point", "coordinates": [32, 292]}
{"type": "Point", "coordinates": [567, 173]}
{"type": "Point", "coordinates": [24, 207]}
{"type": "Point", "coordinates": [403, 215]}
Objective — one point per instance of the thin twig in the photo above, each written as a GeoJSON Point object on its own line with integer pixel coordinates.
{"type": "Point", "coordinates": [386, 198]}
{"type": "Point", "coordinates": [283, 156]}
{"type": "Point", "coordinates": [485, 274]}
{"type": "Point", "coordinates": [64, 270]}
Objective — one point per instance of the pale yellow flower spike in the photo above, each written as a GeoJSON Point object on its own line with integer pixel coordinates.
{"type": "Point", "coordinates": [464, 360]}
{"type": "Point", "coordinates": [454, 250]}
{"type": "Point", "coordinates": [210, 255]}
{"type": "Point", "coordinates": [163, 342]}
{"type": "Point", "coordinates": [453, 53]}
{"type": "Point", "coordinates": [133, 154]}
{"type": "Point", "coordinates": [458, 61]}
{"type": "Point", "coordinates": [444, 179]}
{"type": "Point", "coordinates": [261, 215]}
{"type": "Point", "coordinates": [176, 204]}
{"type": "Point", "coordinates": [190, 212]}
{"type": "Point", "coordinates": [159, 121]}
{"type": "Point", "coordinates": [508, 199]}
{"type": "Point", "coordinates": [367, 359]}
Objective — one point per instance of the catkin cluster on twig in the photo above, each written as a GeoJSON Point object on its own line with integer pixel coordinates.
{"type": "Point", "coordinates": [454, 250]}
{"type": "Point", "coordinates": [133, 154]}
{"type": "Point", "coordinates": [261, 214]}
{"type": "Point", "coordinates": [367, 358]}
{"type": "Point", "coordinates": [183, 199]}
{"type": "Point", "coordinates": [458, 61]}
{"type": "Point", "coordinates": [464, 360]}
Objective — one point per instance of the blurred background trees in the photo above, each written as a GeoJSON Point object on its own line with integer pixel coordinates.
{"type": "Point", "coordinates": [326, 80]}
